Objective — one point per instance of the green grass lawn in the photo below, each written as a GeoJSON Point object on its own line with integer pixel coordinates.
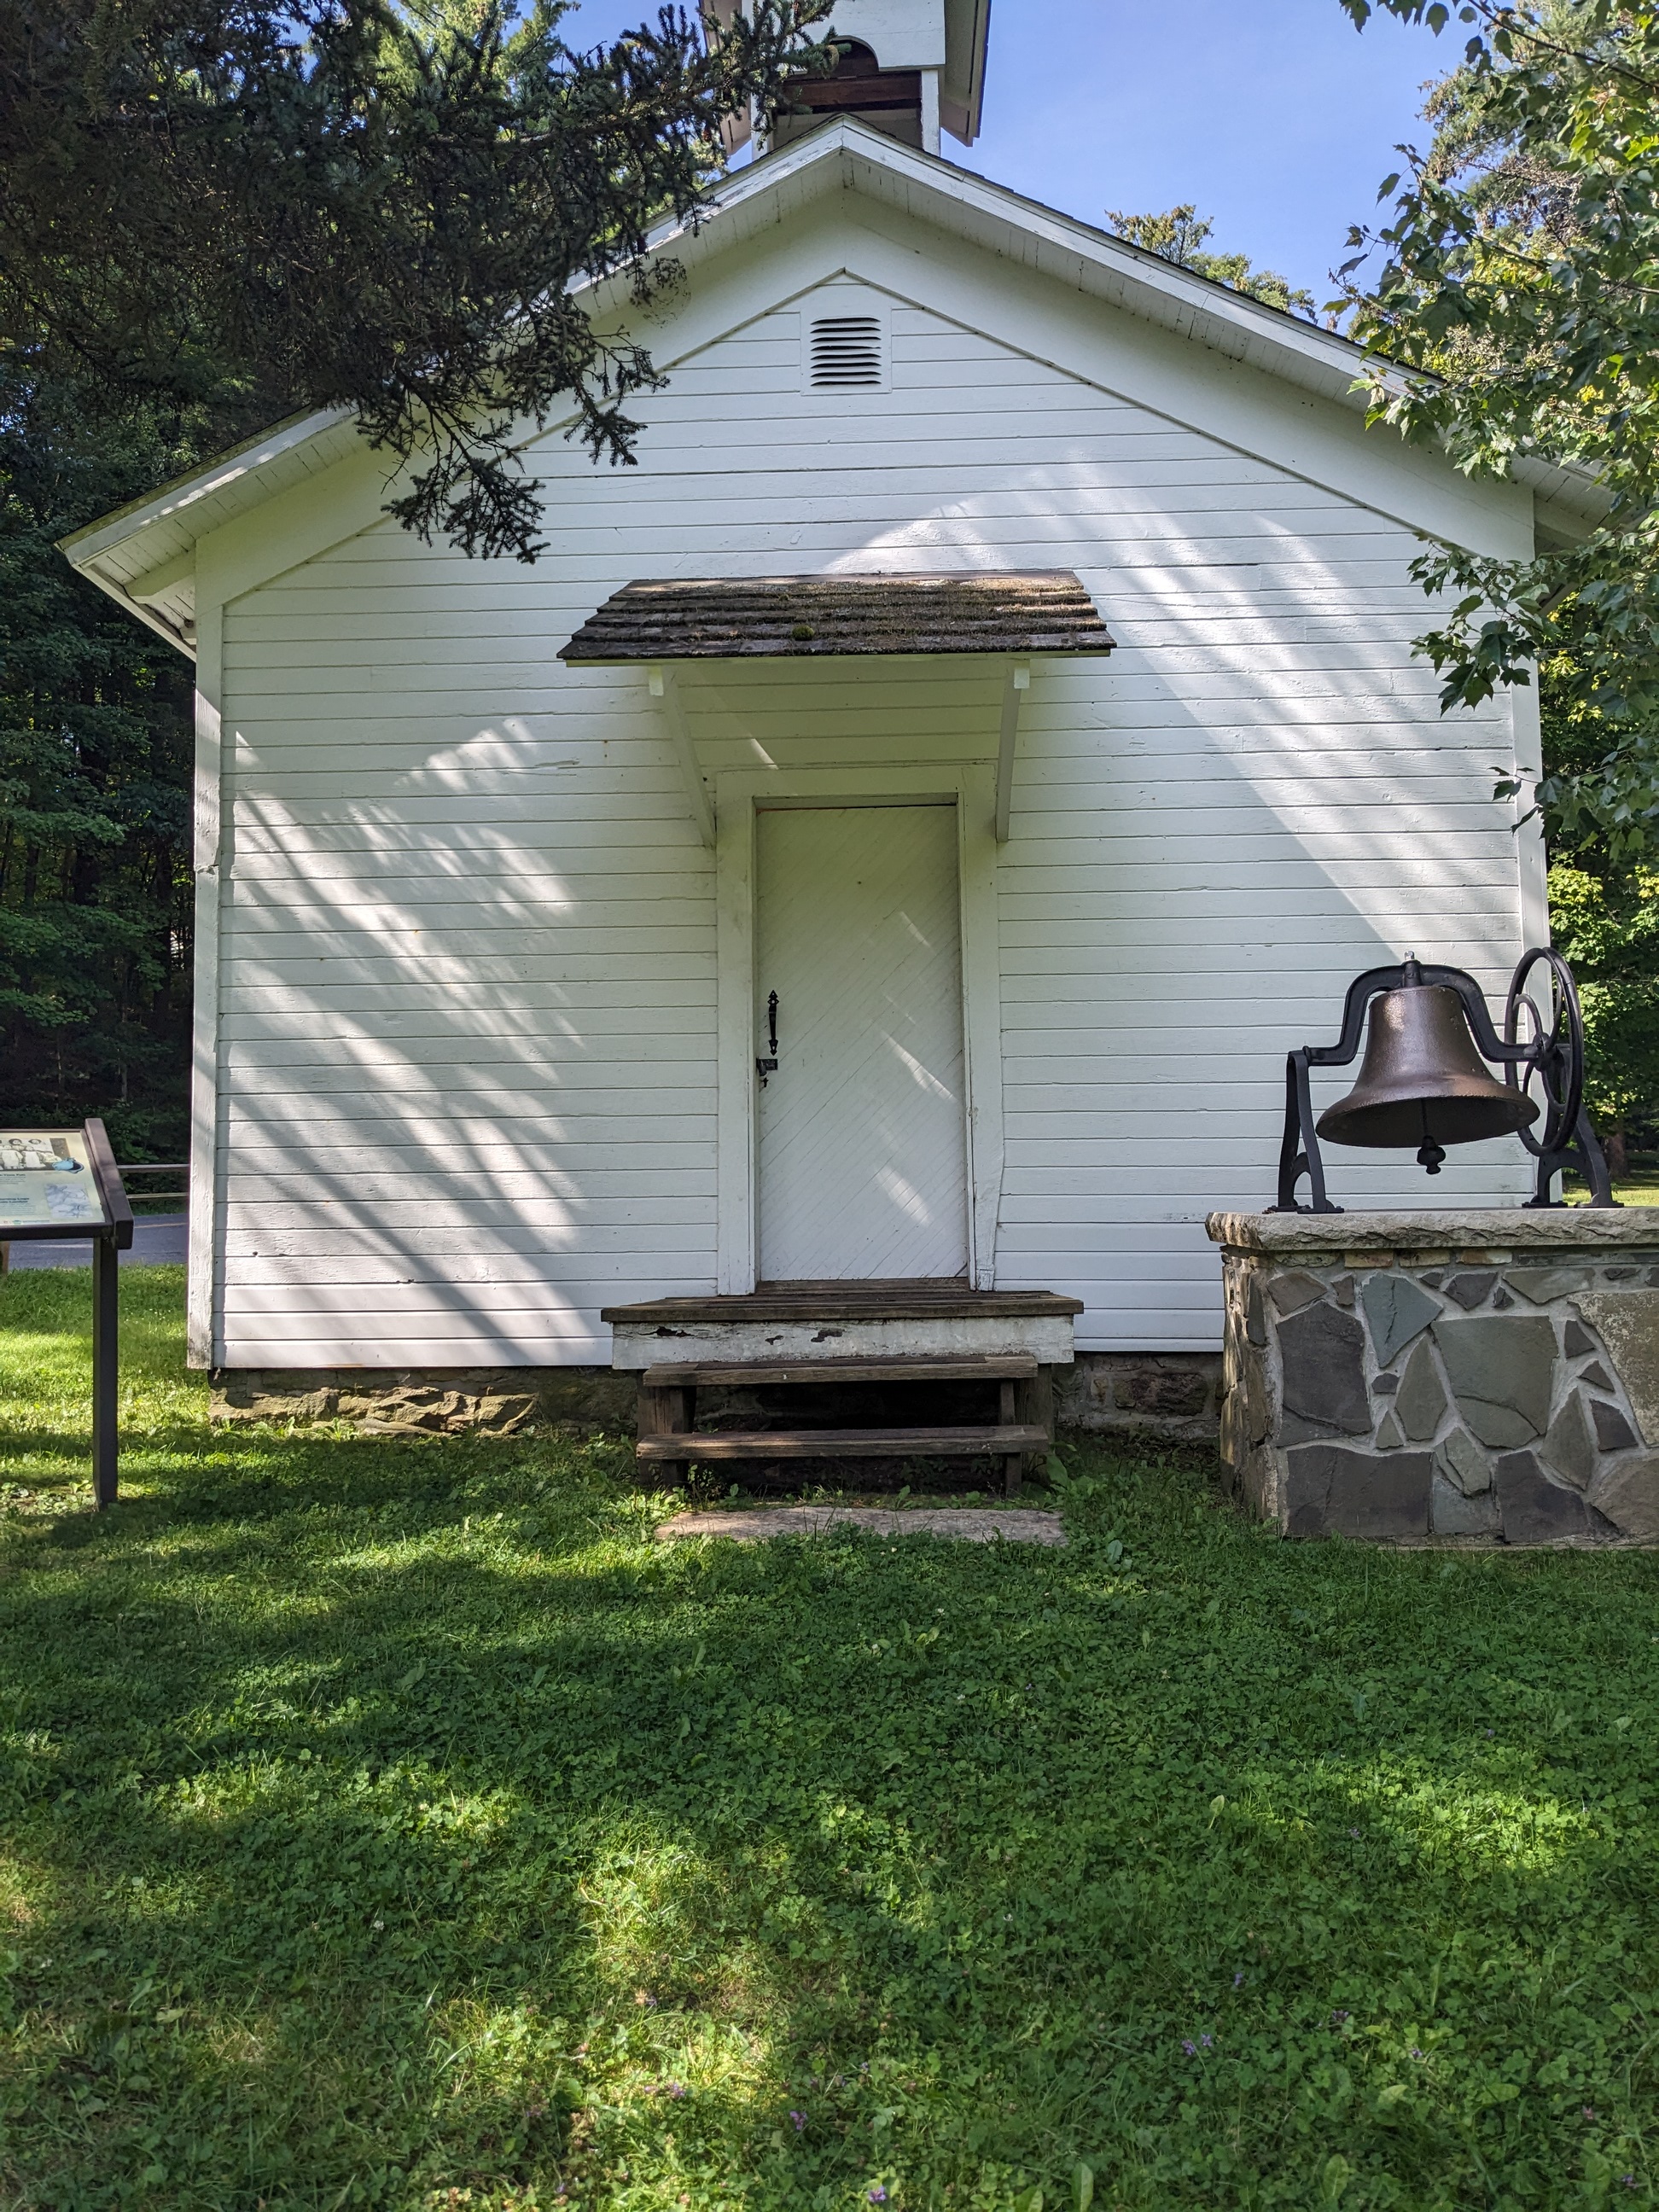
{"type": "Point", "coordinates": [394, 1824]}
{"type": "Point", "coordinates": [1639, 1186]}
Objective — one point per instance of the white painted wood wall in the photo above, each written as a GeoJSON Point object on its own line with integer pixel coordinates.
{"type": "Point", "coordinates": [466, 1041]}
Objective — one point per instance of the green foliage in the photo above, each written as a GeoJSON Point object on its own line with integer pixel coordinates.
{"type": "Point", "coordinates": [370, 206]}
{"type": "Point", "coordinates": [95, 751]}
{"type": "Point", "coordinates": [1608, 927]}
{"type": "Point", "coordinates": [394, 1824]}
{"type": "Point", "coordinates": [1605, 918]}
{"type": "Point", "coordinates": [1179, 234]}
{"type": "Point", "coordinates": [1521, 265]}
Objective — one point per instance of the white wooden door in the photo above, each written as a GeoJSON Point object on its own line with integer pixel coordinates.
{"type": "Point", "coordinates": [863, 1152]}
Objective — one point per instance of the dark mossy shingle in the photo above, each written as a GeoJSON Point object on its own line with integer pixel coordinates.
{"type": "Point", "coordinates": [729, 618]}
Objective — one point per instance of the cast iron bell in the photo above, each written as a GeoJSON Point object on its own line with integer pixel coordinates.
{"type": "Point", "coordinates": [1423, 1081]}
{"type": "Point", "coordinates": [1430, 1042]}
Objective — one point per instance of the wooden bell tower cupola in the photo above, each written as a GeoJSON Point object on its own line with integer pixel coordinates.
{"type": "Point", "coordinates": [910, 68]}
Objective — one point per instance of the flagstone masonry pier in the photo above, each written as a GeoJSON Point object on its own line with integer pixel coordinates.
{"type": "Point", "coordinates": [1488, 1375]}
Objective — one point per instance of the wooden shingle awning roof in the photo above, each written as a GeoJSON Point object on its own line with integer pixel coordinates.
{"type": "Point", "coordinates": [794, 617]}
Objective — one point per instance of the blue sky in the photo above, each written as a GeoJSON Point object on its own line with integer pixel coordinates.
{"type": "Point", "coordinates": [1275, 116]}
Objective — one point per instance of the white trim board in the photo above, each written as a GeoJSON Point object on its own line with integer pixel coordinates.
{"type": "Point", "coordinates": [208, 858]}
{"type": "Point", "coordinates": [972, 788]}
{"type": "Point", "coordinates": [1531, 861]}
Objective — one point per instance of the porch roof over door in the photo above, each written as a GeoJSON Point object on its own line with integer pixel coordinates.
{"type": "Point", "coordinates": [1009, 611]}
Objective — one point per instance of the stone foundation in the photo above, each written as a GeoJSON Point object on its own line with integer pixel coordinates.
{"type": "Point", "coordinates": [1170, 1395]}
{"type": "Point", "coordinates": [1490, 1376]}
{"type": "Point", "coordinates": [427, 1401]}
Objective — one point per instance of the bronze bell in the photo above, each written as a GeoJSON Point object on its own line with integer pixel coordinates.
{"type": "Point", "coordinates": [1423, 1081]}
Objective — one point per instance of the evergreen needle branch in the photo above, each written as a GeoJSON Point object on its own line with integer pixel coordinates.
{"type": "Point", "coordinates": [382, 208]}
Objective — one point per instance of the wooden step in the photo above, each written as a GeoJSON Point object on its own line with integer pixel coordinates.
{"type": "Point", "coordinates": [721, 1374]}
{"type": "Point", "coordinates": [847, 1444]}
{"type": "Point", "coordinates": [883, 1300]}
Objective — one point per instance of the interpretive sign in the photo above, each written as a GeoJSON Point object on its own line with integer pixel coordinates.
{"type": "Point", "coordinates": [64, 1183]}
{"type": "Point", "coordinates": [47, 1182]}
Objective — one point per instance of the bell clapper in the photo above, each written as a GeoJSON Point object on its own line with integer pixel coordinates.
{"type": "Point", "coordinates": [1429, 1154]}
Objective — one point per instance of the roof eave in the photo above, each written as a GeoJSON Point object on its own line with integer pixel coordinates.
{"type": "Point", "coordinates": [182, 638]}
{"type": "Point", "coordinates": [1138, 282]}
{"type": "Point", "coordinates": [159, 531]}
{"type": "Point", "coordinates": [1154, 283]}
{"type": "Point", "coordinates": [670, 659]}
{"type": "Point", "coordinates": [183, 492]}
{"type": "Point", "coordinates": [1128, 276]}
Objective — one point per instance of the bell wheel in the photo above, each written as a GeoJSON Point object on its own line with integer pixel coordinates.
{"type": "Point", "coordinates": [1555, 1042]}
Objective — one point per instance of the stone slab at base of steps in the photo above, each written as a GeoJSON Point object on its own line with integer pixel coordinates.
{"type": "Point", "coordinates": [967, 1524]}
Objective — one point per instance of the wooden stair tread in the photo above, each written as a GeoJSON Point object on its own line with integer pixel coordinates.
{"type": "Point", "coordinates": [847, 1444]}
{"type": "Point", "coordinates": [1007, 1367]}
{"type": "Point", "coordinates": [882, 1300]}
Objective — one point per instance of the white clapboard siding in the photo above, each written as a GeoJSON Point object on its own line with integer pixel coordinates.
{"type": "Point", "coordinates": [468, 984]}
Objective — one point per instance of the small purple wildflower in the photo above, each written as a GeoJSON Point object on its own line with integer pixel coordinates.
{"type": "Point", "coordinates": [1206, 2042]}
{"type": "Point", "coordinates": [877, 2194]}
{"type": "Point", "coordinates": [1189, 2046]}
{"type": "Point", "coordinates": [1354, 1832]}
{"type": "Point", "coordinates": [1340, 2019]}
{"type": "Point", "coordinates": [799, 2119]}
{"type": "Point", "coordinates": [1238, 1979]}
{"type": "Point", "coordinates": [1590, 2111]}
{"type": "Point", "coordinates": [675, 2088]}
{"type": "Point", "coordinates": [1416, 2053]}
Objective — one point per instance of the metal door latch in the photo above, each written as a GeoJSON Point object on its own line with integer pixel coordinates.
{"type": "Point", "coordinates": [770, 1066]}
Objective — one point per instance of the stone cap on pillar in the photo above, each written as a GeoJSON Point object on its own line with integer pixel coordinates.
{"type": "Point", "coordinates": [1512, 1228]}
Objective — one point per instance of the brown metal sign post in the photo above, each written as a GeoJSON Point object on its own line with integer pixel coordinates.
{"type": "Point", "coordinates": [63, 1185]}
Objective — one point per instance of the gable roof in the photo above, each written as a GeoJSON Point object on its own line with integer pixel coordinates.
{"type": "Point", "coordinates": [142, 555]}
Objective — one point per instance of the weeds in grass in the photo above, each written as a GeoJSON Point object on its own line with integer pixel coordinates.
{"type": "Point", "coordinates": [395, 1824]}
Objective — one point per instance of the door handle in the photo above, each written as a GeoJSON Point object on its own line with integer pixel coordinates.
{"type": "Point", "coordinates": [765, 1067]}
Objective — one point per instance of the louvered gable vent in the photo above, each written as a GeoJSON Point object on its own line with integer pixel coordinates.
{"type": "Point", "coordinates": [846, 354]}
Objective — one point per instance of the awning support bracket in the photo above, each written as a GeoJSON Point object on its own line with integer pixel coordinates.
{"type": "Point", "coordinates": [1018, 684]}
{"type": "Point", "coordinates": [660, 682]}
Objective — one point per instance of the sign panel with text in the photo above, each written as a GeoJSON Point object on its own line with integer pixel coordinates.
{"type": "Point", "coordinates": [46, 1181]}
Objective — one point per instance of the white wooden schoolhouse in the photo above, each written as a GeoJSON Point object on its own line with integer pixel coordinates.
{"type": "Point", "coordinates": [887, 843]}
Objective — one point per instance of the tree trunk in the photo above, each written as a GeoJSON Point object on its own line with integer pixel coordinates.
{"type": "Point", "coordinates": [1613, 1144]}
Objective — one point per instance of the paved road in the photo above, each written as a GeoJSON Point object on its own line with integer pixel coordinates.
{"type": "Point", "coordinates": [155, 1243]}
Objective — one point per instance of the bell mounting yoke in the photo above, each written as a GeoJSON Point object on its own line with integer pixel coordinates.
{"type": "Point", "coordinates": [1554, 1055]}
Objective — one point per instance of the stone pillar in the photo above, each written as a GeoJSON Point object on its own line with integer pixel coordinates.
{"type": "Point", "coordinates": [1489, 1375]}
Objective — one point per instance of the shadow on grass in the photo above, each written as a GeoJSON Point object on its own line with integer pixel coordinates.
{"type": "Point", "coordinates": [388, 1819]}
